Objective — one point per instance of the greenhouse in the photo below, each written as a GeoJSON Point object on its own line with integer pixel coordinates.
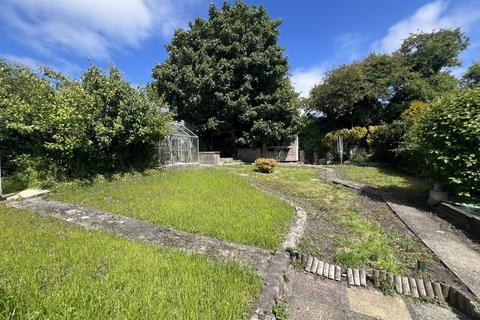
{"type": "Point", "coordinates": [180, 146]}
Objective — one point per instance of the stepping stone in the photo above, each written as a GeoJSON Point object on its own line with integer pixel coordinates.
{"type": "Point", "coordinates": [421, 288]}
{"type": "Point", "coordinates": [437, 290]}
{"type": "Point", "coordinates": [331, 272]}
{"type": "Point", "coordinates": [326, 268]}
{"type": "Point", "coordinates": [429, 289]}
{"type": "Point", "coordinates": [356, 277]}
{"type": "Point", "coordinates": [338, 273]}
{"type": "Point", "coordinates": [376, 278]}
{"type": "Point", "coordinates": [413, 287]}
{"type": "Point", "coordinates": [398, 284]}
{"type": "Point", "coordinates": [405, 286]}
{"type": "Point", "coordinates": [350, 277]}
{"type": "Point", "coordinates": [320, 268]}
{"type": "Point", "coordinates": [363, 278]}
{"type": "Point", "coordinates": [308, 265]}
{"type": "Point", "coordinates": [314, 265]}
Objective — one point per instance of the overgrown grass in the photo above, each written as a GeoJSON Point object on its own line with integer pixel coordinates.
{"type": "Point", "coordinates": [11, 184]}
{"type": "Point", "coordinates": [359, 240]}
{"type": "Point", "coordinates": [212, 202]}
{"type": "Point", "coordinates": [386, 178]}
{"type": "Point", "coordinates": [50, 270]}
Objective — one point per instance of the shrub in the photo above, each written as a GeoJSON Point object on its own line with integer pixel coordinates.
{"type": "Point", "coordinates": [265, 165]}
{"type": "Point", "coordinates": [415, 111]}
{"type": "Point", "coordinates": [52, 127]}
{"type": "Point", "coordinates": [448, 138]}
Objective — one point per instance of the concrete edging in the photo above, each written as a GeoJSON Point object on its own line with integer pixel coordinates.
{"type": "Point", "coordinates": [407, 286]}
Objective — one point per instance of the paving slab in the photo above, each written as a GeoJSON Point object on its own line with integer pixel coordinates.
{"type": "Point", "coordinates": [430, 311]}
{"type": "Point", "coordinates": [310, 297]}
{"type": "Point", "coordinates": [377, 305]}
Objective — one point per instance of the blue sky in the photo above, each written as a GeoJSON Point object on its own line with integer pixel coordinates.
{"type": "Point", "coordinates": [132, 34]}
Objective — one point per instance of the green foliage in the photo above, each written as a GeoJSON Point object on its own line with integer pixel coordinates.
{"type": "Point", "coordinates": [387, 286]}
{"type": "Point", "coordinates": [414, 112]}
{"type": "Point", "coordinates": [472, 76]}
{"type": "Point", "coordinates": [448, 138]}
{"type": "Point", "coordinates": [378, 88]}
{"type": "Point", "coordinates": [52, 127]}
{"type": "Point", "coordinates": [429, 53]}
{"type": "Point", "coordinates": [235, 211]}
{"type": "Point", "coordinates": [265, 165]}
{"type": "Point", "coordinates": [280, 310]}
{"type": "Point", "coordinates": [51, 270]}
{"type": "Point", "coordinates": [228, 76]}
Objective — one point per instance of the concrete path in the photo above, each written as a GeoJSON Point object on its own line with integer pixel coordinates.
{"type": "Point", "coordinates": [452, 251]}
{"type": "Point", "coordinates": [140, 230]}
{"type": "Point", "coordinates": [310, 297]}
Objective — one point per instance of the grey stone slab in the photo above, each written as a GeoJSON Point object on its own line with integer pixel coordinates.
{"type": "Point", "coordinates": [413, 287]}
{"type": "Point", "coordinates": [363, 278]}
{"type": "Point", "coordinates": [421, 288]}
{"type": "Point", "coordinates": [326, 269]}
{"type": "Point", "coordinates": [350, 277]}
{"type": "Point", "coordinates": [430, 311]}
{"type": "Point", "coordinates": [309, 298]}
{"type": "Point", "coordinates": [376, 278]}
{"type": "Point", "coordinates": [405, 286]}
{"type": "Point", "coordinates": [309, 263]}
{"type": "Point", "coordinates": [331, 272]}
{"type": "Point", "coordinates": [338, 273]}
{"type": "Point", "coordinates": [356, 277]}
{"type": "Point", "coordinates": [313, 269]}
{"type": "Point", "coordinates": [437, 290]}
{"type": "Point", "coordinates": [398, 284]}
{"type": "Point", "coordinates": [429, 289]}
{"type": "Point", "coordinates": [320, 268]}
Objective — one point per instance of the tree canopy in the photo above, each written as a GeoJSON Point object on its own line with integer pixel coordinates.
{"type": "Point", "coordinates": [381, 86]}
{"type": "Point", "coordinates": [228, 75]}
{"type": "Point", "coordinates": [472, 76]}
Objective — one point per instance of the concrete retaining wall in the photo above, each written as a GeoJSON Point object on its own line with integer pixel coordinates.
{"type": "Point", "coordinates": [209, 157]}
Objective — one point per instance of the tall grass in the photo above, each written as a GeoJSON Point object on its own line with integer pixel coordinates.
{"type": "Point", "coordinates": [51, 270]}
{"type": "Point", "coordinates": [212, 202]}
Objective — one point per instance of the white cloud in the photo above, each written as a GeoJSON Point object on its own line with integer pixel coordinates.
{"type": "Point", "coordinates": [304, 80]}
{"type": "Point", "coordinates": [60, 64]}
{"type": "Point", "coordinates": [432, 16]}
{"type": "Point", "coordinates": [91, 28]}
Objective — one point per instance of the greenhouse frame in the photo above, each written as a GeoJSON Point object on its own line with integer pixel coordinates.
{"type": "Point", "coordinates": [179, 147]}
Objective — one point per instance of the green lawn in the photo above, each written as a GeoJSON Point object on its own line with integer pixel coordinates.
{"type": "Point", "coordinates": [356, 239]}
{"type": "Point", "coordinates": [386, 178]}
{"type": "Point", "coordinates": [212, 202]}
{"type": "Point", "coordinates": [51, 270]}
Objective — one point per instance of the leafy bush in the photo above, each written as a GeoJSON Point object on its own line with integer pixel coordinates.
{"type": "Point", "coordinates": [52, 127]}
{"type": "Point", "coordinates": [265, 165]}
{"type": "Point", "coordinates": [354, 138]}
{"type": "Point", "coordinates": [448, 138]}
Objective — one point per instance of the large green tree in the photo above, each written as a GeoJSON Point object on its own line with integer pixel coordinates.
{"type": "Point", "coordinates": [380, 87]}
{"type": "Point", "coordinates": [227, 76]}
{"type": "Point", "coordinates": [429, 53]}
{"type": "Point", "coordinates": [472, 76]}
